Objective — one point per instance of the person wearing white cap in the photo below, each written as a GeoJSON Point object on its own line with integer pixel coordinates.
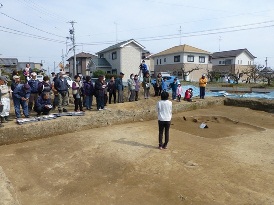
{"type": "Point", "coordinates": [33, 83]}
{"type": "Point", "coordinates": [4, 99]}
{"type": "Point", "coordinates": [202, 85]}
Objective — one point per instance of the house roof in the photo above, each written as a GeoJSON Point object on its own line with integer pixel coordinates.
{"type": "Point", "coordinates": [121, 45]}
{"type": "Point", "coordinates": [181, 49]}
{"type": "Point", "coordinates": [83, 55]}
{"type": "Point", "coordinates": [231, 53]}
{"type": "Point", "coordinates": [101, 62]}
{"type": "Point", "coordinates": [267, 70]}
{"type": "Point", "coordinates": [8, 61]}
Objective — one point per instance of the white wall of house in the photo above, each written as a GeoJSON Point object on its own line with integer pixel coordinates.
{"type": "Point", "coordinates": [169, 59]}
{"type": "Point", "coordinates": [244, 59]}
{"type": "Point", "coordinates": [130, 59]}
{"type": "Point", "coordinates": [221, 61]}
{"type": "Point", "coordinates": [114, 62]}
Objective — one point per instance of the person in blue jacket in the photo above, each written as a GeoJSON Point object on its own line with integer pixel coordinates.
{"type": "Point", "coordinates": [43, 104]}
{"type": "Point", "coordinates": [120, 88]}
{"type": "Point", "coordinates": [33, 83]}
{"type": "Point", "coordinates": [164, 85]}
{"type": "Point", "coordinates": [174, 86]}
{"type": "Point", "coordinates": [62, 86]}
{"type": "Point", "coordinates": [21, 95]}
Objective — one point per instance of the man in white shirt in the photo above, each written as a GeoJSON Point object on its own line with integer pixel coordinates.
{"type": "Point", "coordinates": [164, 110]}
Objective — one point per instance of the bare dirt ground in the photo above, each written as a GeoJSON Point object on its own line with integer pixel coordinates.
{"type": "Point", "coordinates": [231, 162]}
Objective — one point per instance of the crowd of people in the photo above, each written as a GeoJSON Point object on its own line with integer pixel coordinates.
{"type": "Point", "coordinates": [35, 96]}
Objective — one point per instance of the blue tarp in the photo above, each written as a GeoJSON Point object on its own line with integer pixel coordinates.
{"type": "Point", "coordinates": [196, 92]}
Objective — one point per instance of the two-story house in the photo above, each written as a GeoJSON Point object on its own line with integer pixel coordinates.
{"type": "Point", "coordinates": [82, 61]}
{"type": "Point", "coordinates": [181, 59]}
{"type": "Point", "coordinates": [123, 57]}
{"type": "Point", "coordinates": [233, 61]}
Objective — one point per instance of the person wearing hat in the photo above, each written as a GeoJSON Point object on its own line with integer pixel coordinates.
{"type": "Point", "coordinates": [120, 87]}
{"type": "Point", "coordinates": [202, 85]}
{"type": "Point", "coordinates": [21, 95]}
{"type": "Point", "coordinates": [33, 83]}
{"type": "Point", "coordinates": [4, 99]}
{"type": "Point", "coordinates": [62, 86]}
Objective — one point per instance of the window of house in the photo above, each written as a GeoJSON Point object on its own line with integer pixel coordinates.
{"type": "Point", "coordinates": [224, 62]}
{"type": "Point", "coordinates": [241, 62]}
{"type": "Point", "coordinates": [101, 55]}
{"type": "Point", "coordinates": [160, 61]}
{"type": "Point", "coordinates": [114, 71]}
{"type": "Point", "coordinates": [220, 62]}
{"type": "Point", "coordinates": [201, 59]}
{"type": "Point", "coordinates": [190, 58]}
{"type": "Point", "coordinates": [114, 55]}
{"type": "Point", "coordinates": [164, 60]}
{"type": "Point", "coordinates": [228, 61]}
{"type": "Point", "coordinates": [176, 58]}
{"type": "Point", "coordinates": [157, 62]}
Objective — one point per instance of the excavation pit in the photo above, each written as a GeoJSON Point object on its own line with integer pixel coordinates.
{"type": "Point", "coordinates": [218, 126]}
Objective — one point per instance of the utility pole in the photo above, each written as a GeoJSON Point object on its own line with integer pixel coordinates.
{"type": "Point", "coordinates": [220, 39]}
{"type": "Point", "coordinates": [54, 67]}
{"type": "Point", "coordinates": [116, 30]}
{"type": "Point", "coordinates": [180, 35]}
{"type": "Point", "coordinates": [63, 59]}
{"type": "Point", "coordinates": [266, 62]}
{"type": "Point", "coordinates": [72, 33]}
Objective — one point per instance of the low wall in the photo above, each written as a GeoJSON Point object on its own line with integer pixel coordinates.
{"type": "Point", "coordinates": [255, 104]}
{"type": "Point", "coordinates": [63, 125]}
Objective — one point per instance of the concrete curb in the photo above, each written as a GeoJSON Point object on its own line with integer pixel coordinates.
{"type": "Point", "coordinates": [63, 125]}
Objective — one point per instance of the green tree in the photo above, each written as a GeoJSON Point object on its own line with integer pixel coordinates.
{"type": "Point", "coordinates": [97, 73]}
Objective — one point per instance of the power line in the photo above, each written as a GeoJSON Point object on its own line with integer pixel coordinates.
{"type": "Point", "coordinates": [192, 34]}
{"type": "Point", "coordinates": [40, 10]}
{"type": "Point", "coordinates": [20, 33]}
{"type": "Point", "coordinates": [30, 25]}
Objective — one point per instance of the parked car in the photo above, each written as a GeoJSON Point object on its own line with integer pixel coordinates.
{"type": "Point", "coordinates": [169, 79]}
{"type": "Point", "coordinates": [40, 77]}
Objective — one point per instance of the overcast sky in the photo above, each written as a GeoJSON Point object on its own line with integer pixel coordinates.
{"type": "Point", "coordinates": [208, 25]}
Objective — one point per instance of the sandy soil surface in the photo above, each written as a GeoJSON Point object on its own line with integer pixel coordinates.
{"type": "Point", "coordinates": [231, 162]}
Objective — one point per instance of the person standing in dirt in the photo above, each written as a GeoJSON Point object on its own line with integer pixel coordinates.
{"type": "Point", "coordinates": [120, 87]}
{"type": "Point", "coordinates": [44, 86]}
{"type": "Point", "coordinates": [33, 83]}
{"type": "Point", "coordinates": [131, 88]}
{"type": "Point", "coordinates": [158, 85]}
{"type": "Point", "coordinates": [164, 85]}
{"type": "Point", "coordinates": [88, 92]}
{"type": "Point", "coordinates": [4, 99]}
{"type": "Point", "coordinates": [76, 92]}
{"type": "Point", "coordinates": [100, 93]}
{"type": "Point", "coordinates": [21, 95]}
{"type": "Point", "coordinates": [179, 92]}
{"type": "Point", "coordinates": [62, 86]}
{"type": "Point", "coordinates": [111, 88]}
{"type": "Point", "coordinates": [164, 110]}
{"type": "Point", "coordinates": [146, 85]}
{"type": "Point", "coordinates": [173, 87]}
{"type": "Point", "coordinates": [202, 85]}
{"type": "Point", "coordinates": [27, 72]}
{"type": "Point", "coordinates": [137, 87]}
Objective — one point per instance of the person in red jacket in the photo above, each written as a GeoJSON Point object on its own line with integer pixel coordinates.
{"type": "Point", "coordinates": [188, 95]}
